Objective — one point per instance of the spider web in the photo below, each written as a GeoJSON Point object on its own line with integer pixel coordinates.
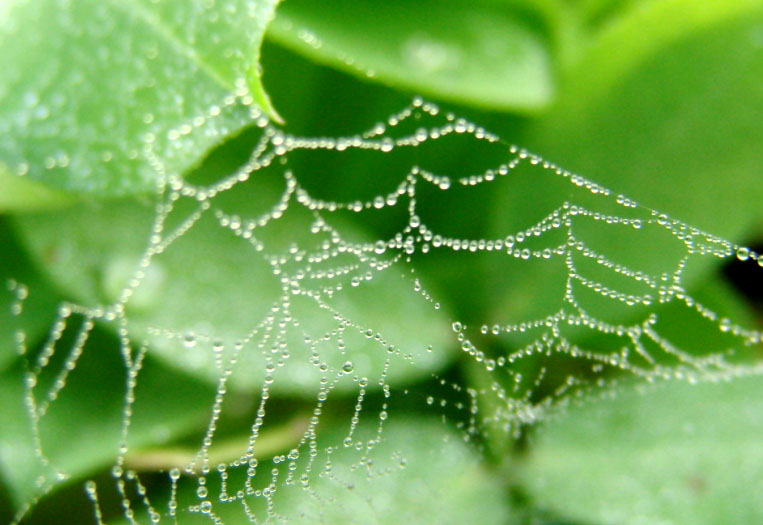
{"type": "Point", "coordinates": [338, 315]}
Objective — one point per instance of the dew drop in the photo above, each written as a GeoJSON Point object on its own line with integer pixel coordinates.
{"type": "Point", "coordinates": [379, 202]}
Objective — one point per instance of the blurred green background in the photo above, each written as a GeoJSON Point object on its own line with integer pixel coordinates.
{"type": "Point", "coordinates": [659, 100]}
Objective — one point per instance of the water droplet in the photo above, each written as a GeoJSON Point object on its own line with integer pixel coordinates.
{"type": "Point", "coordinates": [743, 253]}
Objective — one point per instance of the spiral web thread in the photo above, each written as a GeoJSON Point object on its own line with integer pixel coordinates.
{"type": "Point", "coordinates": [323, 272]}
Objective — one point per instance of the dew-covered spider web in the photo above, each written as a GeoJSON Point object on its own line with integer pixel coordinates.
{"type": "Point", "coordinates": [330, 322]}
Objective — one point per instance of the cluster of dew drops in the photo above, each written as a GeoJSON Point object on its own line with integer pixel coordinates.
{"type": "Point", "coordinates": [274, 146]}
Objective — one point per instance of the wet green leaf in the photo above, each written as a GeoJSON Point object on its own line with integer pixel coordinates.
{"type": "Point", "coordinates": [88, 86]}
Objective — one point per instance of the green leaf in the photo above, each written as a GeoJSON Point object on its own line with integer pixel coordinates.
{"type": "Point", "coordinates": [417, 471]}
{"type": "Point", "coordinates": [676, 453]}
{"type": "Point", "coordinates": [491, 56]}
{"type": "Point", "coordinates": [22, 470]}
{"type": "Point", "coordinates": [24, 193]}
{"type": "Point", "coordinates": [28, 302]}
{"type": "Point", "coordinates": [597, 13]}
{"type": "Point", "coordinates": [420, 473]}
{"type": "Point", "coordinates": [81, 430]}
{"type": "Point", "coordinates": [665, 108]}
{"type": "Point", "coordinates": [88, 87]}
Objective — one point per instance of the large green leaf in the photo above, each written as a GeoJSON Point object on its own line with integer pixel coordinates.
{"type": "Point", "coordinates": [485, 54]}
{"type": "Point", "coordinates": [87, 86]}
{"type": "Point", "coordinates": [678, 453]}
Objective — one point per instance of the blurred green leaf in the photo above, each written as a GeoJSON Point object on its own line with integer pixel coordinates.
{"type": "Point", "coordinates": [81, 430]}
{"type": "Point", "coordinates": [484, 54]}
{"type": "Point", "coordinates": [417, 472]}
{"type": "Point", "coordinates": [28, 303]}
{"type": "Point", "coordinates": [420, 472]}
{"type": "Point", "coordinates": [23, 193]}
{"type": "Point", "coordinates": [595, 13]}
{"type": "Point", "coordinates": [665, 107]}
{"type": "Point", "coordinates": [23, 472]}
{"type": "Point", "coordinates": [678, 452]}
{"type": "Point", "coordinates": [86, 86]}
